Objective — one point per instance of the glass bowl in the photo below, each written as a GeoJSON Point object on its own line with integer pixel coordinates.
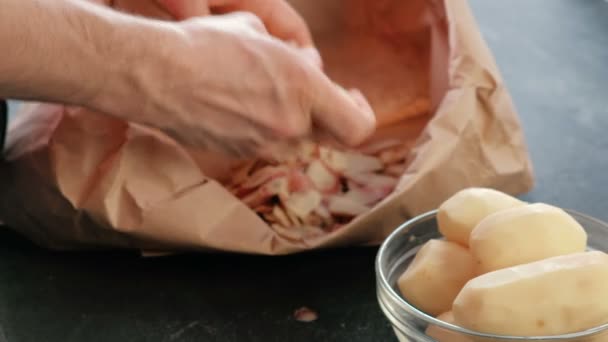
{"type": "Point", "coordinates": [409, 323]}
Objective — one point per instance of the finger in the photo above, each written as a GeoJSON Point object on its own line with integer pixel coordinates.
{"type": "Point", "coordinates": [250, 19]}
{"type": "Point", "coordinates": [185, 9]}
{"type": "Point", "coordinates": [312, 55]}
{"type": "Point", "coordinates": [281, 20]}
{"type": "Point", "coordinates": [148, 9]}
{"type": "Point", "coordinates": [345, 115]}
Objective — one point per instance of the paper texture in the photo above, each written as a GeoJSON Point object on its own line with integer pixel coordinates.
{"type": "Point", "coordinates": [73, 179]}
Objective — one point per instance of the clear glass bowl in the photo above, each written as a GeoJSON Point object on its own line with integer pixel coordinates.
{"type": "Point", "coordinates": [409, 323]}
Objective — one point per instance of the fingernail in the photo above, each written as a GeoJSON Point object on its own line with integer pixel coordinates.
{"type": "Point", "coordinates": [366, 108]}
{"type": "Point", "coordinates": [359, 99]}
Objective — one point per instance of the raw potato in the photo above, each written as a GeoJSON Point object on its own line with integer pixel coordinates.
{"type": "Point", "coordinates": [525, 234]}
{"type": "Point", "coordinates": [559, 295]}
{"type": "Point", "coordinates": [436, 275]}
{"type": "Point", "coordinates": [443, 335]}
{"type": "Point", "coordinates": [458, 215]}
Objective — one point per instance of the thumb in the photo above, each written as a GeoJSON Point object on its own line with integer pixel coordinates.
{"type": "Point", "coordinates": [185, 9]}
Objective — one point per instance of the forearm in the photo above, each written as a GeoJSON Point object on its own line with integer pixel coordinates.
{"type": "Point", "coordinates": [67, 51]}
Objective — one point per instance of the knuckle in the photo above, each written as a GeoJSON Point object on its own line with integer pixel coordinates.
{"type": "Point", "coordinates": [251, 20]}
{"type": "Point", "coordinates": [294, 129]}
{"type": "Point", "coordinates": [295, 124]}
{"type": "Point", "coordinates": [297, 79]}
{"type": "Point", "coordinates": [299, 75]}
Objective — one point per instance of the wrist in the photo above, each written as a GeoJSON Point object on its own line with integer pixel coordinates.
{"type": "Point", "coordinates": [76, 53]}
{"type": "Point", "coordinates": [136, 62]}
{"type": "Point", "coordinates": [47, 60]}
{"type": "Point", "coordinates": [121, 46]}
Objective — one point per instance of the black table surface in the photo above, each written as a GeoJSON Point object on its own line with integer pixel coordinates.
{"type": "Point", "coordinates": [554, 57]}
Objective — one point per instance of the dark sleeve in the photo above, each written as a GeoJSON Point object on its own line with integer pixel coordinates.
{"type": "Point", "coordinates": [3, 123]}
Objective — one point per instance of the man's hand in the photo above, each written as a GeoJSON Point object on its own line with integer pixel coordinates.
{"type": "Point", "coordinates": [258, 116]}
{"type": "Point", "coordinates": [280, 19]}
{"type": "Point", "coordinates": [223, 82]}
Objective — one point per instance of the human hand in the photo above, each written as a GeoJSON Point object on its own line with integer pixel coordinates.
{"type": "Point", "coordinates": [279, 18]}
{"type": "Point", "coordinates": [223, 82]}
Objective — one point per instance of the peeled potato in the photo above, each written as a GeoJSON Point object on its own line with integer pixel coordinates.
{"type": "Point", "coordinates": [443, 335]}
{"type": "Point", "coordinates": [525, 234]}
{"type": "Point", "coordinates": [559, 295]}
{"type": "Point", "coordinates": [436, 275]}
{"type": "Point", "coordinates": [458, 215]}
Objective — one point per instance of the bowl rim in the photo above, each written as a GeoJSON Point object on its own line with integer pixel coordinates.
{"type": "Point", "coordinates": [381, 277]}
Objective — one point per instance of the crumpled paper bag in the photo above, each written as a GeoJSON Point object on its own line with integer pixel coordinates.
{"type": "Point", "coordinates": [74, 179]}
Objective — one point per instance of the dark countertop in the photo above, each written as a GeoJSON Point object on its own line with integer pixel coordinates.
{"type": "Point", "coordinates": [554, 56]}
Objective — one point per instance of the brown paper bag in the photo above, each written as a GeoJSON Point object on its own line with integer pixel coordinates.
{"type": "Point", "coordinates": [76, 179]}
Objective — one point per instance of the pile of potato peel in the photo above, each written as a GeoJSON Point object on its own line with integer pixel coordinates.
{"type": "Point", "coordinates": [316, 189]}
